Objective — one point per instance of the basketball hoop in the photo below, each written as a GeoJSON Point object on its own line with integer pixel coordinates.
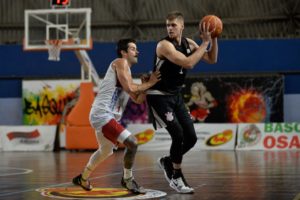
{"type": "Point", "coordinates": [54, 48]}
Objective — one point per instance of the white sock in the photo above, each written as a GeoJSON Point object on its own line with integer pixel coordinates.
{"type": "Point", "coordinates": [86, 173]}
{"type": "Point", "coordinates": [127, 173]}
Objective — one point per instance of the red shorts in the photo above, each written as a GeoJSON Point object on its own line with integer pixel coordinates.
{"type": "Point", "coordinates": [115, 132]}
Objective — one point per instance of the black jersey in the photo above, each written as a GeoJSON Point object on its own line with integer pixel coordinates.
{"type": "Point", "coordinates": [172, 75]}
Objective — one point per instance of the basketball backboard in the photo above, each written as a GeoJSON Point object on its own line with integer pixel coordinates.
{"type": "Point", "coordinates": [72, 26]}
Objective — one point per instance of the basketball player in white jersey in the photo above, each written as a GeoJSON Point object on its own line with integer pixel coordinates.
{"type": "Point", "coordinates": [108, 106]}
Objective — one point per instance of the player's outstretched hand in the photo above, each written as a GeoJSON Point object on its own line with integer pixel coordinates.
{"type": "Point", "coordinates": [155, 77]}
{"type": "Point", "coordinates": [145, 78]}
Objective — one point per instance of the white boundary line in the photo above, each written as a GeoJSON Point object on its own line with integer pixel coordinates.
{"type": "Point", "coordinates": [26, 171]}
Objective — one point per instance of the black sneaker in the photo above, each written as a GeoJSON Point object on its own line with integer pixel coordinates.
{"type": "Point", "coordinates": [165, 164]}
{"type": "Point", "coordinates": [131, 185]}
{"type": "Point", "coordinates": [85, 184]}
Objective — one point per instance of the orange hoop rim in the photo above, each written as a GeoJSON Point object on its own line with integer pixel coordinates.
{"type": "Point", "coordinates": [59, 42]}
{"type": "Point", "coordinates": [54, 42]}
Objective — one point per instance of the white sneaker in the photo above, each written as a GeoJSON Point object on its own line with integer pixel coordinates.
{"type": "Point", "coordinates": [186, 184]}
{"type": "Point", "coordinates": [178, 185]}
{"type": "Point", "coordinates": [131, 185]}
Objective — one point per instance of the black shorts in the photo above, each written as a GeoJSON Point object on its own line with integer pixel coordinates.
{"type": "Point", "coordinates": [167, 109]}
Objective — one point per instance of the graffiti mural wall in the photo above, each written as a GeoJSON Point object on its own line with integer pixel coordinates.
{"type": "Point", "coordinates": [43, 101]}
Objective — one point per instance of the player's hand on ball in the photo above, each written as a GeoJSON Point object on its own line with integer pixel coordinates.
{"type": "Point", "coordinates": [205, 34]}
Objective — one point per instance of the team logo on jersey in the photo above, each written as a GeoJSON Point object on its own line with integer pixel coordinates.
{"type": "Point", "coordinates": [98, 193]}
{"type": "Point", "coordinates": [169, 116]}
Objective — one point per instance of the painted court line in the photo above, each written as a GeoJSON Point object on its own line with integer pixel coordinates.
{"type": "Point", "coordinates": [68, 183]}
{"type": "Point", "coordinates": [23, 171]}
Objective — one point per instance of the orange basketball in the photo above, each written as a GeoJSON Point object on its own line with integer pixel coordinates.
{"type": "Point", "coordinates": [215, 22]}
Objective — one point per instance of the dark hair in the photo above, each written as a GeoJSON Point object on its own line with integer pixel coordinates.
{"type": "Point", "coordinates": [175, 15]}
{"type": "Point", "coordinates": [123, 45]}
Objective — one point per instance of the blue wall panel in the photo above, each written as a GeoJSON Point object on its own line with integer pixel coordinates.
{"type": "Point", "coordinates": [10, 88]}
{"type": "Point", "coordinates": [235, 56]}
{"type": "Point", "coordinates": [256, 56]}
{"type": "Point", "coordinates": [34, 64]}
{"type": "Point", "coordinates": [292, 83]}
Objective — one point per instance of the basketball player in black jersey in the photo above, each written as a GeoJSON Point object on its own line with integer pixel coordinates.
{"type": "Point", "coordinates": [174, 56]}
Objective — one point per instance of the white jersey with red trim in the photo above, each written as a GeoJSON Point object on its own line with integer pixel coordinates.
{"type": "Point", "coordinates": [111, 98]}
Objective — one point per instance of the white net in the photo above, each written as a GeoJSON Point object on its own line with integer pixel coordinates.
{"type": "Point", "coordinates": [54, 48]}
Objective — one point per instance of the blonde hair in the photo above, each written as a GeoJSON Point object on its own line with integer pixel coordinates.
{"type": "Point", "coordinates": [175, 15]}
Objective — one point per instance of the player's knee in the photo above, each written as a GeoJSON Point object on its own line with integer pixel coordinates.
{"type": "Point", "coordinates": [178, 139]}
{"type": "Point", "coordinates": [131, 143]}
{"type": "Point", "coordinates": [176, 132]}
{"type": "Point", "coordinates": [191, 140]}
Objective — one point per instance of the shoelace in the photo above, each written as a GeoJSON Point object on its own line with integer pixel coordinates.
{"type": "Point", "coordinates": [184, 181]}
{"type": "Point", "coordinates": [181, 184]}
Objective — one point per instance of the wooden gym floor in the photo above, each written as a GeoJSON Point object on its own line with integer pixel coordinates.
{"type": "Point", "coordinates": [219, 175]}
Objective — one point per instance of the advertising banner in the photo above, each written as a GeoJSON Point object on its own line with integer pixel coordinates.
{"type": "Point", "coordinates": [27, 138]}
{"type": "Point", "coordinates": [235, 98]}
{"type": "Point", "coordinates": [210, 136]}
{"type": "Point", "coordinates": [268, 136]}
{"type": "Point", "coordinates": [216, 136]}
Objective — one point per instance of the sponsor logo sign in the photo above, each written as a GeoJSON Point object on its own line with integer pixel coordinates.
{"type": "Point", "coordinates": [269, 136]}
{"type": "Point", "coordinates": [210, 136]}
{"type": "Point", "coordinates": [27, 138]}
{"type": "Point", "coordinates": [220, 138]}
